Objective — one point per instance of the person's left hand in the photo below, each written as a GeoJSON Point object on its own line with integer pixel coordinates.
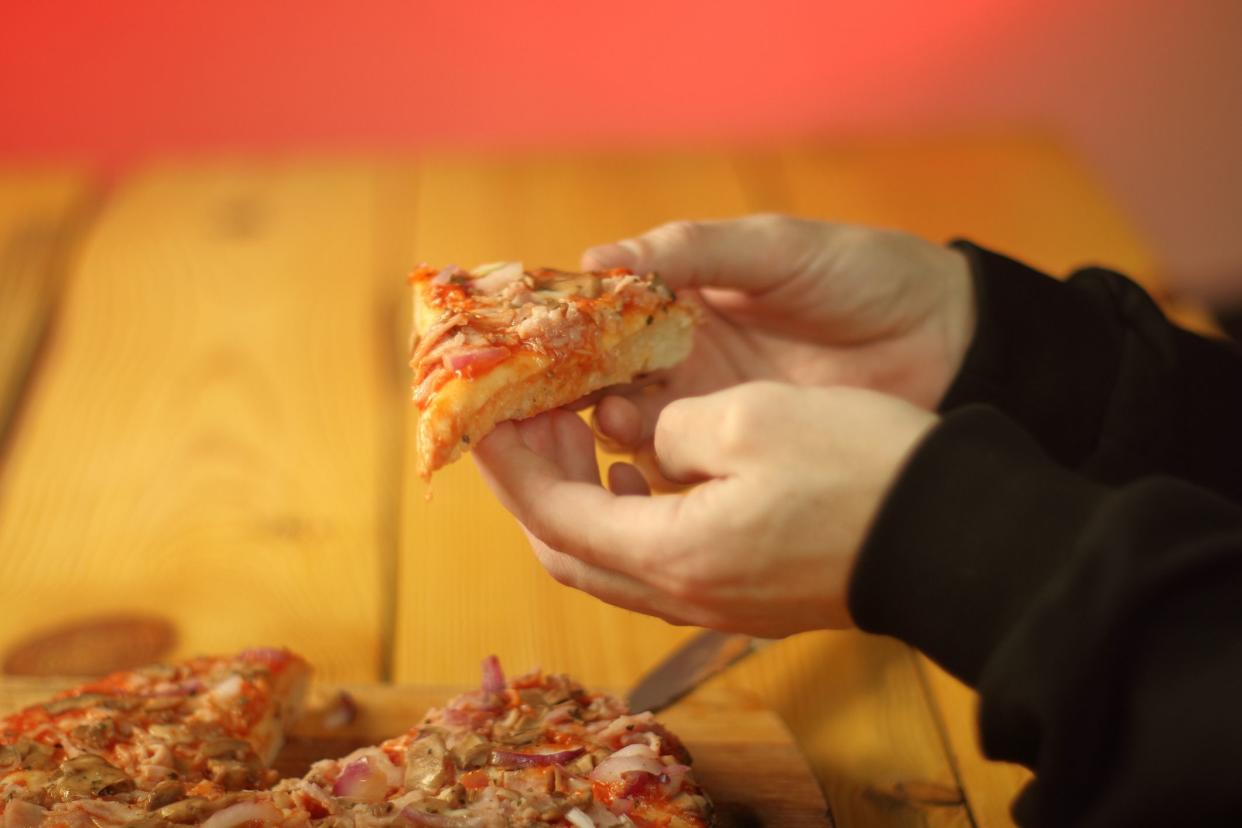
{"type": "Point", "coordinates": [790, 481]}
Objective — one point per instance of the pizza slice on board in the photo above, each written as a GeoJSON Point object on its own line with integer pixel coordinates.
{"type": "Point", "coordinates": [160, 741]}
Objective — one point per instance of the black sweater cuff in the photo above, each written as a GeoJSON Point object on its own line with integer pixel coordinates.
{"type": "Point", "coordinates": [949, 566]}
{"type": "Point", "coordinates": [1043, 354]}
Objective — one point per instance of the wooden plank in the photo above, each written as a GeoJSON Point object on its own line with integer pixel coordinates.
{"type": "Point", "coordinates": [208, 452]}
{"type": "Point", "coordinates": [862, 717]}
{"type": "Point", "coordinates": [882, 764]}
{"type": "Point", "coordinates": [39, 212]}
{"type": "Point", "coordinates": [744, 756]}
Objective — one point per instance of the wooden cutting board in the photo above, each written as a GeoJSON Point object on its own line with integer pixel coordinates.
{"type": "Point", "coordinates": [743, 754]}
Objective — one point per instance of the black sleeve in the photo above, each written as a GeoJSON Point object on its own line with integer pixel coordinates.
{"type": "Point", "coordinates": [1102, 626]}
{"type": "Point", "coordinates": [1093, 370]}
{"type": "Point", "coordinates": [1071, 550]}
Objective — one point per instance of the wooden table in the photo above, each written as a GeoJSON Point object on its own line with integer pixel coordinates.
{"type": "Point", "coordinates": [205, 428]}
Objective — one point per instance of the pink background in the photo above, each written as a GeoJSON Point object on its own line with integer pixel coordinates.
{"type": "Point", "coordinates": [1149, 92]}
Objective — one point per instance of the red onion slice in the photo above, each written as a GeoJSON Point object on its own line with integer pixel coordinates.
{"type": "Point", "coordinates": [631, 759]}
{"type": "Point", "coordinates": [475, 358]}
{"type": "Point", "coordinates": [578, 819]}
{"type": "Point", "coordinates": [513, 759]}
{"type": "Point", "coordinates": [434, 334]}
{"type": "Point", "coordinates": [363, 780]}
{"type": "Point", "coordinates": [493, 676]}
{"type": "Point", "coordinates": [495, 280]}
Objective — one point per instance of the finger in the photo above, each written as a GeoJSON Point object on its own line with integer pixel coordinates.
{"type": "Point", "coordinates": [618, 422]}
{"type": "Point", "coordinates": [696, 438]}
{"type": "Point", "coordinates": [628, 419]}
{"type": "Point", "coordinates": [625, 479]}
{"type": "Point", "coordinates": [613, 587]}
{"type": "Point", "coordinates": [648, 465]}
{"type": "Point", "coordinates": [573, 446]}
{"type": "Point", "coordinates": [752, 254]}
{"type": "Point", "coordinates": [621, 533]}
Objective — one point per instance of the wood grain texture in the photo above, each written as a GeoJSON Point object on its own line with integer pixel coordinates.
{"type": "Point", "coordinates": [214, 435]}
{"type": "Point", "coordinates": [743, 755]}
{"type": "Point", "coordinates": [39, 214]}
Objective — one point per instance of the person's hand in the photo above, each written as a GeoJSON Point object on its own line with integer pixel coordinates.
{"type": "Point", "coordinates": [790, 480]}
{"type": "Point", "coordinates": [803, 302]}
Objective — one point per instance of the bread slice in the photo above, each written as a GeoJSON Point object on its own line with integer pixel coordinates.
{"type": "Point", "coordinates": [504, 343]}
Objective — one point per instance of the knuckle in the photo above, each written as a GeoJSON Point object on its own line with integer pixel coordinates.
{"type": "Point", "coordinates": [681, 584]}
{"type": "Point", "coordinates": [554, 565]}
{"type": "Point", "coordinates": [770, 221]}
{"type": "Point", "coordinates": [679, 234]}
{"type": "Point", "coordinates": [744, 420]}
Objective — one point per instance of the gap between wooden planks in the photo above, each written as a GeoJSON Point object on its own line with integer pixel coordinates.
{"type": "Point", "coordinates": [39, 214]}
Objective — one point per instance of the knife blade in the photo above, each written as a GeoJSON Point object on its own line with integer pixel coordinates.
{"type": "Point", "coordinates": [705, 655]}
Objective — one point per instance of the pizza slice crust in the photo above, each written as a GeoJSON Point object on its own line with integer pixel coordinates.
{"type": "Point", "coordinates": [463, 411]}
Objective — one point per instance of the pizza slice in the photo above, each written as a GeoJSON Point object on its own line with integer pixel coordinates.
{"type": "Point", "coordinates": [502, 342]}
{"type": "Point", "coordinates": [536, 751]}
{"type": "Point", "coordinates": [166, 743]}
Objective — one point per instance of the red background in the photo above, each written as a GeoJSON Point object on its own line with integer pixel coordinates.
{"type": "Point", "coordinates": [1147, 91]}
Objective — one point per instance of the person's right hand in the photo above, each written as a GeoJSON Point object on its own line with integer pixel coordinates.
{"type": "Point", "coordinates": [797, 301]}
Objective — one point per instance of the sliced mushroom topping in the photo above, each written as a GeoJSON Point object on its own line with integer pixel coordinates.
{"type": "Point", "coordinates": [27, 754]}
{"type": "Point", "coordinates": [122, 702]}
{"type": "Point", "coordinates": [585, 285]}
{"type": "Point", "coordinates": [165, 793]}
{"type": "Point", "coordinates": [157, 704]}
{"type": "Point", "coordinates": [519, 729]}
{"type": "Point", "coordinates": [533, 697]}
{"type": "Point", "coordinates": [96, 734]}
{"type": "Point", "coordinates": [58, 706]}
{"type": "Point", "coordinates": [233, 775]}
{"type": "Point", "coordinates": [226, 749]}
{"type": "Point", "coordinates": [424, 763]}
{"type": "Point", "coordinates": [471, 751]}
{"type": "Point", "coordinates": [88, 775]}
{"type": "Point", "coordinates": [186, 811]}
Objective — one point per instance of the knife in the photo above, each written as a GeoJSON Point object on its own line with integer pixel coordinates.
{"type": "Point", "coordinates": [703, 656]}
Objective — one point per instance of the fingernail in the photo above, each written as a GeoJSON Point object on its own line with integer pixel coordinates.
{"type": "Point", "coordinates": [610, 255]}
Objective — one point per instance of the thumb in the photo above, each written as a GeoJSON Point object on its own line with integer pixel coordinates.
{"type": "Point", "coordinates": [752, 254]}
